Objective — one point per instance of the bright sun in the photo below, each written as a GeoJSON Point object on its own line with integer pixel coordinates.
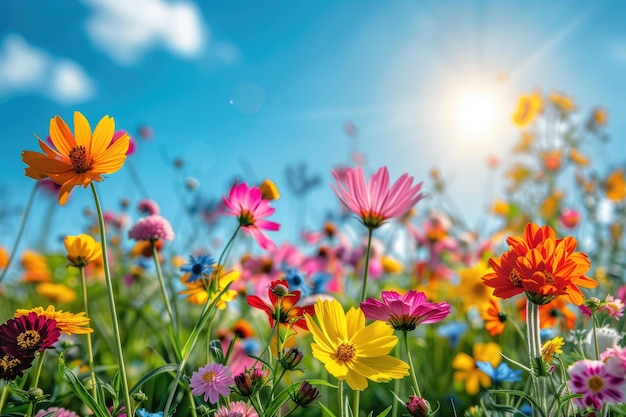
{"type": "Point", "coordinates": [475, 114]}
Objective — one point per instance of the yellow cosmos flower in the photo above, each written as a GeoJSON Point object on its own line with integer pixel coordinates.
{"type": "Point", "coordinates": [550, 348]}
{"type": "Point", "coordinates": [471, 290]}
{"type": "Point", "coordinates": [67, 322]}
{"type": "Point", "coordinates": [82, 250]}
{"type": "Point", "coordinates": [615, 185]}
{"type": "Point", "coordinates": [197, 293]}
{"type": "Point", "coordinates": [56, 292]}
{"type": "Point", "coordinates": [578, 157]}
{"type": "Point", "coordinates": [79, 158]}
{"type": "Point", "coordinates": [466, 370]}
{"type": "Point", "coordinates": [391, 265]}
{"type": "Point", "coordinates": [528, 107]}
{"type": "Point", "coordinates": [500, 207]}
{"type": "Point", "coordinates": [349, 349]}
{"type": "Point", "coordinates": [269, 190]}
{"type": "Point", "coordinates": [35, 267]}
{"type": "Point", "coordinates": [562, 102]}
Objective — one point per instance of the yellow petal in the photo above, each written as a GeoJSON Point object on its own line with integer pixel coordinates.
{"type": "Point", "coordinates": [61, 136]}
{"type": "Point", "coordinates": [102, 137]}
{"type": "Point", "coordinates": [82, 131]}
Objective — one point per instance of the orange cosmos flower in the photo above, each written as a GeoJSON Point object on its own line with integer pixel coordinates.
{"type": "Point", "coordinates": [562, 102]}
{"type": "Point", "coordinates": [79, 158]}
{"type": "Point", "coordinates": [615, 185]}
{"type": "Point", "coordinates": [494, 318]}
{"type": "Point", "coordinates": [35, 267]}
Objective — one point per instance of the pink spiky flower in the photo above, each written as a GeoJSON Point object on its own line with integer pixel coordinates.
{"type": "Point", "coordinates": [596, 383]}
{"type": "Point", "coordinates": [248, 205]}
{"type": "Point", "coordinates": [404, 312]}
{"type": "Point", "coordinates": [376, 202]}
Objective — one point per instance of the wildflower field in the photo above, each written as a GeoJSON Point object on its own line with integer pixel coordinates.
{"type": "Point", "coordinates": [393, 306]}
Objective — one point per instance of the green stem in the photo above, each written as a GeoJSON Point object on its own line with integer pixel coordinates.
{"type": "Point", "coordinates": [35, 381]}
{"type": "Point", "coordinates": [534, 352]}
{"type": "Point", "coordinates": [340, 397]}
{"type": "Point", "coordinates": [111, 298]}
{"type": "Point", "coordinates": [166, 298]}
{"type": "Point", "coordinates": [4, 395]}
{"type": "Point", "coordinates": [408, 355]}
{"type": "Point", "coordinates": [594, 327]}
{"type": "Point", "coordinates": [357, 402]}
{"type": "Point", "coordinates": [20, 232]}
{"type": "Point", "coordinates": [367, 264]}
{"type": "Point", "coordinates": [89, 345]}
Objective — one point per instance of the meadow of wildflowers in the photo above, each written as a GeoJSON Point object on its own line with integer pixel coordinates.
{"type": "Point", "coordinates": [393, 307]}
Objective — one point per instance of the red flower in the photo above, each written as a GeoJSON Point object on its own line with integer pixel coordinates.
{"type": "Point", "coordinates": [22, 336]}
{"type": "Point", "coordinates": [282, 306]}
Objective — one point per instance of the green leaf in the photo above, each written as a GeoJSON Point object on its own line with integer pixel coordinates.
{"type": "Point", "coordinates": [80, 390]}
{"type": "Point", "coordinates": [170, 367]}
{"type": "Point", "coordinates": [282, 397]}
{"type": "Point", "coordinates": [327, 411]}
{"type": "Point", "coordinates": [384, 412]}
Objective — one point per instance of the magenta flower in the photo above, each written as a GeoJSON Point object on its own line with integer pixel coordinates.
{"type": "Point", "coordinates": [211, 381]}
{"type": "Point", "coordinates": [596, 383]}
{"type": "Point", "coordinates": [56, 412]}
{"type": "Point", "coordinates": [376, 203]}
{"type": "Point", "coordinates": [23, 336]}
{"type": "Point", "coordinates": [248, 205]}
{"type": "Point", "coordinates": [236, 409]}
{"type": "Point", "coordinates": [153, 227]}
{"type": "Point", "coordinates": [404, 312]}
{"type": "Point", "coordinates": [148, 206]}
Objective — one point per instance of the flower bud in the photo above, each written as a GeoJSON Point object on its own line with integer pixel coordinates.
{"type": "Point", "coordinates": [280, 290]}
{"type": "Point", "coordinates": [243, 385]}
{"type": "Point", "coordinates": [306, 394]}
{"type": "Point", "coordinates": [140, 396]}
{"type": "Point", "coordinates": [292, 358]}
{"type": "Point", "coordinates": [417, 406]}
{"type": "Point", "coordinates": [35, 393]}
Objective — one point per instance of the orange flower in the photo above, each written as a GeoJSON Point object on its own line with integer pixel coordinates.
{"type": "Point", "coordinates": [615, 185]}
{"type": "Point", "coordinates": [59, 293]}
{"type": "Point", "coordinates": [599, 117]}
{"type": "Point", "coordinates": [578, 157]}
{"type": "Point", "coordinates": [494, 318]}
{"type": "Point", "coordinates": [79, 158]}
{"type": "Point", "coordinates": [525, 142]}
{"type": "Point", "coordinates": [552, 314]}
{"type": "Point", "coordinates": [528, 107]}
{"type": "Point", "coordinates": [562, 102]}
{"type": "Point", "coordinates": [35, 267]}
{"type": "Point", "coordinates": [4, 258]}
{"type": "Point", "coordinates": [552, 159]}
{"type": "Point", "coordinates": [550, 206]}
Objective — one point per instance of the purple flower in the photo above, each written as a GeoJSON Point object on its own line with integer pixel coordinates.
{"type": "Point", "coordinates": [597, 383]}
{"type": "Point", "coordinates": [211, 381]}
{"type": "Point", "coordinates": [153, 227]}
{"type": "Point", "coordinates": [404, 312]}
{"type": "Point", "coordinates": [22, 336]}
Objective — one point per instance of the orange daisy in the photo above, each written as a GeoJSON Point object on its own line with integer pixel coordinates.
{"type": "Point", "coordinates": [79, 158]}
{"type": "Point", "coordinates": [494, 318]}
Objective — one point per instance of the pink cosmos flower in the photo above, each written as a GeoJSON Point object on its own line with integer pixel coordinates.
{"type": "Point", "coordinates": [211, 381]}
{"type": "Point", "coordinates": [153, 227]}
{"type": "Point", "coordinates": [375, 202]}
{"type": "Point", "coordinates": [248, 205]}
{"type": "Point", "coordinates": [404, 312]}
{"type": "Point", "coordinates": [614, 307]}
{"type": "Point", "coordinates": [597, 383]}
{"type": "Point", "coordinates": [236, 409]}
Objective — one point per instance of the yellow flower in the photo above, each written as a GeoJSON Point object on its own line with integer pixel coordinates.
{"type": "Point", "coordinates": [82, 250]}
{"type": "Point", "coordinates": [269, 190]}
{"type": "Point", "coordinates": [550, 206]}
{"type": "Point", "coordinates": [562, 102]}
{"type": "Point", "coordinates": [525, 143]}
{"type": "Point", "coordinates": [550, 348]}
{"type": "Point", "coordinates": [349, 349]}
{"type": "Point", "coordinates": [615, 185]}
{"type": "Point", "coordinates": [67, 322]}
{"type": "Point", "coordinates": [197, 292]}
{"type": "Point", "coordinates": [578, 157]}
{"type": "Point", "coordinates": [4, 258]}
{"type": "Point", "coordinates": [466, 370]}
{"type": "Point", "coordinates": [471, 290]}
{"type": "Point", "coordinates": [599, 117]}
{"type": "Point", "coordinates": [56, 292]}
{"type": "Point", "coordinates": [35, 267]}
{"type": "Point", "coordinates": [528, 107]}
{"type": "Point", "coordinates": [500, 207]}
{"type": "Point", "coordinates": [391, 265]}
{"type": "Point", "coordinates": [79, 158]}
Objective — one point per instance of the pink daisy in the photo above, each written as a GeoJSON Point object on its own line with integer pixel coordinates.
{"type": "Point", "coordinates": [153, 227]}
{"type": "Point", "coordinates": [614, 307]}
{"type": "Point", "coordinates": [597, 383]}
{"type": "Point", "coordinates": [248, 205]}
{"type": "Point", "coordinates": [211, 381]}
{"type": "Point", "coordinates": [58, 412]}
{"type": "Point", "coordinates": [404, 312]}
{"type": "Point", "coordinates": [236, 409]}
{"type": "Point", "coordinates": [375, 202]}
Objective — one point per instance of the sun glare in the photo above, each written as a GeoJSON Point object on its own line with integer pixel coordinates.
{"type": "Point", "coordinates": [475, 114]}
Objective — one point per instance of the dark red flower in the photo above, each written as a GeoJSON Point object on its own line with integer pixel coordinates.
{"type": "Point", "coordinates": [12, 367]}
{"type": "Point", "coordinates": [282, 306]}
{"type": "Point", "coordinates": [22, 336]}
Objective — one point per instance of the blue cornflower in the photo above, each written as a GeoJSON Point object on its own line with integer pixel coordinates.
{"type": "Point", "coordinates": [320, 281]}
{"type": "Point", "coordinates": [452, 331]}
{"type": "Point", "coordinates": [503, 373]}
{"type": "Point", "coordinates": [546, 334]}
{"type": "Point", "coordinates": [145, 413]}
{"type": "Point", "coordinates": [297, 282]}
{"type": "Point", "coordinates": [198, 267]}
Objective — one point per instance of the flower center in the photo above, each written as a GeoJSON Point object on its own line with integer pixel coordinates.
{"type": "Point", "coordinates": [515, 278]}
{"type": "Point", "coordinates": [208, 376]}
{"type": "Point", "coordinates": [549, 279]}
{"type": "Point", "coordinates": [595, 383]}
{"type": "Point", "coordinates": [345, 352]}
{"type": "Point", "coordinates": [196, 269]}
{"type": "Point", "coordinates": [246, 218]}
{"type": "Point", "coordinates": [79, 159]}
{"type": "Point", "coordinates": [29, 339]}
{"type": "Point", "coordinates": [372, 220]}
{"type": "Point", "coordinates": [8, 363]}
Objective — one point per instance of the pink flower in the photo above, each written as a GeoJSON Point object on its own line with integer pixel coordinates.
{"type": "Point", "coordinates": [148, 206]}
{"type": "Point", "coordinates": [597, 383]}
{"type": "Point", "coordinates": [614, 307]}
{"type": "Point", "coordinates": [248, 205]}
{"type": "Point", "coordinates": [376, 203]}
{"type": "Point", "coordinates": [58, 412]}
{"type": "Point", "coordinates": [236, 409]}
{"type": "Point", "coordinates": [404, 312]}
{"type": "Point", "coordinates": [211, 381]}
{"type": "Point", "coordinates": [153, 227]}
{"type": "Point", "coordinates": [131, 144]}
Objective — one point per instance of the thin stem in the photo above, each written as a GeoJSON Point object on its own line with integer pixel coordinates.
{"type": "Point", "coordinates": [594, 327]}
{"type": "Point", "coordinates": [340, 397]}
{"type": "Point", "coordinates": [367, 264]}
{"type": "Point", "coordinates": [111, 298]}
{"type": "Point", "coordinates": [166, 298]}
{"type": "Point", "coordinates": [357, 403]}
{"type": "Point", "coordinates": [89, 345]}
{"type": "Point", "coordinates": [35, 381]}
{"type": "Point", "coordinates": [20, 232]}
{"type": "Point", "coordinates": [4, 395]}
{"type": "Point", "coordinates": [534, 352]}
{"type": "Point", "coordinates": [408, 355]}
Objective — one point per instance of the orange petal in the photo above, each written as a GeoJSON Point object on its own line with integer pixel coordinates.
{"type": "Point", "coordinates": [102, 137]}
{"type": "Point", "coordinates": [61, 136]}
{"type": "Point", "coordinates": [82, 130]}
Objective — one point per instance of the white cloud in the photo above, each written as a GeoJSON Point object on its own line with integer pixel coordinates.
{"type": "Point", "coordinates": [25, 68]}
{"type": "Point", "coordinates": [128, 29]}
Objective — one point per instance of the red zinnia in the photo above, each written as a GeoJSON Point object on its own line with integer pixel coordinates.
{"type": "Point", "coordinates": [23, 336]}
{"type": "Point", "coordinates": [282, 306]}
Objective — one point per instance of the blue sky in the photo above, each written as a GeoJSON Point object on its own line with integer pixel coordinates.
{"type": "Point", "coordinates": [245, 88]}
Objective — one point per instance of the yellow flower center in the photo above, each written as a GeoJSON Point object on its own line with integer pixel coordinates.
{"type": "Point", "coordinates": [595, 383]}
{"type": "Point", "coordinates": [29, 339]}
{"type": "Point", "coordinates": [372, 220]}
{"type": "Point", "coordinates": [208, 376]}
{"type": "Point", "coordinates": [79, 159]}
{"type": "Point", "coordinates": [549, 279]}
{"type": "Point", "coordinates": [515, 278]}
{"type": "Point", "coordinates": [345, 352]}
{"type": "Point", "coordinates": [7, 363]}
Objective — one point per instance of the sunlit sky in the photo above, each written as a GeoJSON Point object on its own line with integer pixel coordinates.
{"type": "Point", "coordinates": [242, 89]}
